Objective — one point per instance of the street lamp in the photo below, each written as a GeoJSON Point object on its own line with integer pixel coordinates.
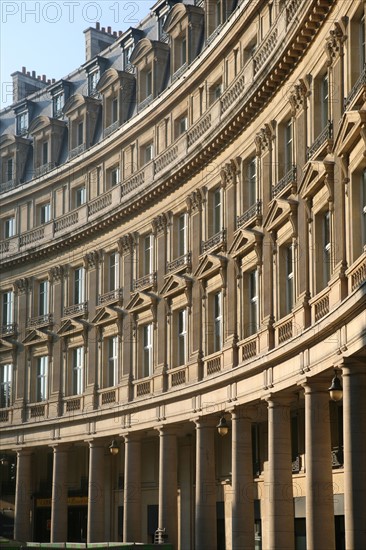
{"type": "Point", "coordinates": [222, 426]}
{"type": "Point", "coordinates": [336, 390]}
{"type": "Point", "coordinates": [113, 448]}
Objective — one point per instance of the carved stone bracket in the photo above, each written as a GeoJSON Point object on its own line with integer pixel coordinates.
{"type": "Point", "coordinates": [335, 40]}
{"type": "Point", "coordinates": [263, 140]}
{"type": "Point", "coordinates": [299, 95]}
{"type": "Point", "coordinates": [55, 274]}
{"type": "Point", "coordinates": [91, 259]}
{"type": "Point", "coordinates": [230, 172]}
{"type": "Point", "coordinates": [126, 244]}
{"type": "Point", "coordinates": [195, 200]}
{"type": "Point", "coordinates": [160, 224]}
{"type": "Point", "coordinates": [21, 286]}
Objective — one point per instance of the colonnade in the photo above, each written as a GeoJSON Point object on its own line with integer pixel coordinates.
{"type": "Point", "coordinates": [277, 505]}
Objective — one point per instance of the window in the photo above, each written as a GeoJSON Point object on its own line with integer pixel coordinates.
{"type": "Point", "coordinates": [326, 248]}
{"type": "Point", "coordinates": [147, 359]}
{"type": "Point", "coordinates": [58, 103]}
{"type": "Point", "coordinates": [43, 304]}
{"type": "Point", "coordinates": [6, 379]}
{"type": "Point", "coordinates": [148, 83]}
{"type": "Point", "coordinates": [182, 125]}
{"type": "Point", "coordinates": [217, 311]}
{"type": "Point", "coordinates": [252, 181]}
{"type": "Point", "coordinates": [114, 176]}
{"type": "Point", "coordinates": [80, 133]}
{"type": "Point", "coordinates": [362, 38]}
{"type": "Point", "coordinates": [216, 212]}
{"type": "Point", "coordinates": [363, 207]}
{"type": "Point", "coordinates": [114, 110]}
{"type": "Point", "coordinates": [113, 361]}
{"type": "Point", "coordinates": [288, 146]}
{"type": "Point", "coordinates": [218, 19]}
{"type": "Point", "coordinates": [77, 371]}
{"type": "Point", "coordinates": [147, 254]}
{"type": "Point", "coordinates": [22, 123]}
{"type": "Point", "coordinates": [45, 213]}
{"type": "Point", "coordinates": [79, 285]}
{"type": "Point", "coordinates": [182, 337]}
{"type": "Point", "coordinates": [148, 153]}
{"type": "Point", "coordinates": [9, 228]}
{"type": "Point", "coordinates": [182, 234]}
{"type": "Point", "coordinates": [324, 98]}
{"type": "Point", "coordinates": [9, 169]}
{"type": "Point", "coordinates": [44, 152]}
{"type": "Point", "coordinates": [289, 263]}
{"type": "Point", "coordinates": [126, 56]}
{"type": "Point", "coordinates": [253, 303]}
{"type": "Point", "coordinates": [215, 92]}
{"type": "Point", "coordinates": [113, 270]}
{"type": "Point", "coordinates": [8, 308]}
{"type": "Point", "coordinates": [80, 196]}
{"type": "Point", "coordinates": [93, 81]}
{"type": "Point", "coordinates": [42, 378]}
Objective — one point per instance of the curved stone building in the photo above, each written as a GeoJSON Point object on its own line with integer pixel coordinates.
{"type": "Point", "coordinates": [183, 231]}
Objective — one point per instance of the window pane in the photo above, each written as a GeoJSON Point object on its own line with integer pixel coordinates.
{"type": "Point", "coordinates": [43, 297]}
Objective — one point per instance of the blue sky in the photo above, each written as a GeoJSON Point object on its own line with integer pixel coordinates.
{"type": "Point", "coordinates": [47, 36]}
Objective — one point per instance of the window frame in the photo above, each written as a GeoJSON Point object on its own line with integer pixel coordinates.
{"type": "Point", "coordinates": [42, 366]}
{"type": "Point", "coordinates": [77, 374]}
{"type": "Point", "coordinates": [6, 385]}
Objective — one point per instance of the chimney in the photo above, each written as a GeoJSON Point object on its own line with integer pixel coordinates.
{"type": "Point", "coordinates": [33, 74]}
{"type": "Point", "coordinates": [96, 40]}
{"type": "Point", "coordinates": [109, 30]}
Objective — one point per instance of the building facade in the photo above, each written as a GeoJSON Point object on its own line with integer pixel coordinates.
{"type": "Point", "coordinates": [183, 232]}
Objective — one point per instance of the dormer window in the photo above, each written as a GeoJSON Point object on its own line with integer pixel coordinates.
{"type": "Point", "coordinates": [22, 123]}
{"type": "Point", "coordinates": [9, 169]}
{"type": "Point", "coordinates": [58, 103]}
{"type": "Point", "coordinates": [127, 57]}
{"type": "Point", "coordinates": [80, 133]}
{"type": "Point", "coordinates": [93, 79]}
{"type": "Point", "coordinates": [148, 83]}
{"type": "Point", "coordinates": [44, 152]}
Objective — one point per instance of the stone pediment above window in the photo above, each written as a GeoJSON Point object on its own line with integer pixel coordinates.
{"type": "Point", "coordinates": [72, 326]}
{"type": "Point", "coordinates": [112, 78]}
{"type": "Point", "coordinates": [44, 123]}
{"type": "Point", "coordinates": [209, 265]}
{"type": "Point", "coordinates": [7, 346]}
{"type": "Point", "coordinates": [180, 16]}
{"type": "Point", "coordinates": [350, 130]}
{"type": "Point", "coordinates": [145, 47]}
{"type": "Point", "coordinates": [244, 241]}
{"type": "Point", "coordinates": [280, 212]}
{"type": "Point", "coordinates": [176, 284]}
{"type": "Point", "coordinates": [36, 337]}
{"type": "Point", "coordinates": [141, 301]}
{"type": "Point", "coordinates": [316, 175]}
{"type": "Point", "coordinates": [107, 315]}
{"type": "Point", "coordinates": [79, 102]}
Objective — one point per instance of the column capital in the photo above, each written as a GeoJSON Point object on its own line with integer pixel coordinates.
{"type": "Point", "coordinates": [60, 447]}
{"type": "Point", "coordinates": [280, 399]}
{"type": "Point", "coordinates": [244, 412]}
{"type": "Point", "coordinates": [352, 366]}
{"type": "Point", "coordinates": [206, 421]}
{"type": "Point", "coordinates": [131, 436]}
{"type": "Point", "coordinates": [166, 430]}
{"type": "Point", "coordinates": [317, 384]}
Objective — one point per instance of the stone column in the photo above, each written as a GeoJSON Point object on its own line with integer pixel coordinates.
{"type": "Point", "coordinates": [186, 461]}
{"type": "Point", "coordinates": [132, 489]}
{"type": "Point", "coordinates": [354, 430]}
{"type": "Point", "coordinates": [95, 528]}
{"type": "Point", "coordinates": [22, 525]}
{"type": "Point", "coordinates": [242, 481]}
{"type": "Point", "coordinates": [59, 494]}
{"type": "Point", "coordinates": [320, 534]}
{"type": "Point", "coordinates": [205, 526]}
{"type": "Point", "coordinates": [168, 485]}
{"type": "Point", "coordinates": [280, 504]}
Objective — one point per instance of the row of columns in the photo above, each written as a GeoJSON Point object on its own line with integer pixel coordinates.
{"type": "Point", "coordinates": [278, 516]}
